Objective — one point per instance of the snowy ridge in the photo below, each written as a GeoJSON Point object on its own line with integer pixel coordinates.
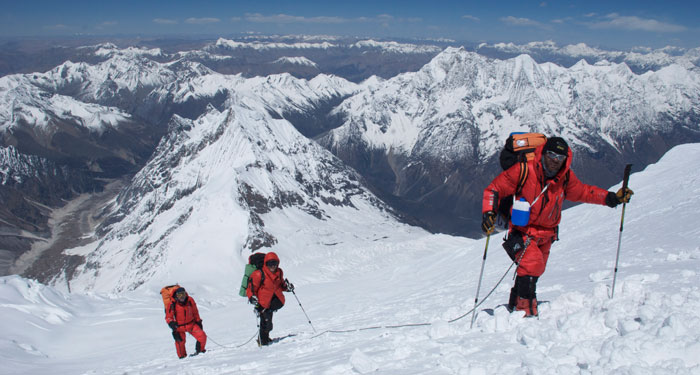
{"type": "Point", "coordinates": [18, 167]}
{"type": "Point", "coordinates": [396, 47]}
{"type": "Point", "coordinates": [231, 44]}
{"type": "Point", "coordinates": [389, 46]}
{"type": "Point", "coordinates": [29, 103]}
{"type": "Point", "coordinates": [461, 96]}
{"type": "Point", "coordinates": [642, 58]}
{"type": "Point", "coordinates": [651, 325]}
{"type": "Point", "coordinates": [296, 60]}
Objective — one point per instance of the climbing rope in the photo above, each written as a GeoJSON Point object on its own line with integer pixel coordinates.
{"type": "Point", "coordinates": [384, 326]}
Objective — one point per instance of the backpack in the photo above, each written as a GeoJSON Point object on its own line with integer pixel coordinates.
{"type": "Point", "coordinates": [255, 262]}
{"type": "Point", "coordinates": [167, 293]}
{"type": "Point", "coordinates": [519, 148]}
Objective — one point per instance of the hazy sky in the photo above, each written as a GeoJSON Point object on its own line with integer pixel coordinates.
{"type": "Point", "coordinates": [613, 24]}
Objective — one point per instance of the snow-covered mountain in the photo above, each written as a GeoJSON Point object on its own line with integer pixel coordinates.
{"type": "Point", "coordinates": [639, 60]}
{"type": "Point", "coordinates": [400, 303]}
{"type": "Point", "coordinates": [96, 122]}
{"type": "Point", "coordinates": [424, 140]}
{"type": "Point", "coordinates": [207, 193]}
{"type": "Point", "coordinates": [432, 136]}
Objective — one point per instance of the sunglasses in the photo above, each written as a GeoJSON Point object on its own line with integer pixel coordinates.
{"type": "Point", "coordinates": [180, 294]}
{"type": "Point", "coordinates": [272, 263]}
{"type": "Point", "coordinates": [554, 156]}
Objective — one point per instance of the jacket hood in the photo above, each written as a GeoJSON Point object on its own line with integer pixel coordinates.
{"type": "Point", "coordinates": [271, 256]}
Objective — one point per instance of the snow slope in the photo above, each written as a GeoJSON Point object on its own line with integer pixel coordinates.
{"type": "Point", "coordinates": [361, 281]}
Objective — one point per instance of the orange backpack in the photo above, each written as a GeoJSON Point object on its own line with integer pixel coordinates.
{"type": "Point", "coordinates": [167, 293]}
{"type": "Point", "coordinates": [520, 149]}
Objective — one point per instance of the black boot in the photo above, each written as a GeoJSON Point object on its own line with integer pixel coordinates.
{"type": "Point", "coordinates": [513, 299]}
{"type": "Point", "coordinates": [198, 348]}
{"type": "Point", "coordinates": [526, 295]}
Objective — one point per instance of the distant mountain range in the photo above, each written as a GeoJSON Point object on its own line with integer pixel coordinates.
{"type": "Point", "coordinates": [415, 128]}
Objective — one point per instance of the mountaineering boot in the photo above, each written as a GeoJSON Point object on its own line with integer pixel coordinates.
{"type": "Point", "coordinates": [527, 305]}
{"type": "Point", "coordinates": [264, 339]}
{"type": "Point", "coordinates": [198, 348]}
{"type": "Point", "coordinates": [513, 299]}
{"type": "Point", "coordinates": [526, 297]}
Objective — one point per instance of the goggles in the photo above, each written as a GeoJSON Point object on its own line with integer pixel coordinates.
{"type": "Point", "coordinates": [272, 263]}
{"type": "Point", "coordinates": [180, 295]}
{"type": "Point", "coordinates": [554, 156]}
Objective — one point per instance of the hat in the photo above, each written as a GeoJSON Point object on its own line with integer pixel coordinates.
{"type": "Point", "coordinates": [557, 145]}
{"type": "Point", "coordinates": [179, 291]}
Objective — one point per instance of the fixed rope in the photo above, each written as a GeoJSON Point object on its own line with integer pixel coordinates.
{"type": "Point", "coordinates": [394, 326]}
{"type": "Point", "coordinates": [232, 346]}
{"type": "Point", "coordinates": [419, 324]}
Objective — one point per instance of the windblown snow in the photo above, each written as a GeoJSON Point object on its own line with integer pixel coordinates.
{"type": "Point", "coordinates": [389, 299]}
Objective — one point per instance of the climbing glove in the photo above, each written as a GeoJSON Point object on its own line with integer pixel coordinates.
{"type": "Point", "coordinates": [622, 196]}
{"type": "Point", "coordinates": [289, 286]}
{"type": "Point", "coordinates": [488, 222]}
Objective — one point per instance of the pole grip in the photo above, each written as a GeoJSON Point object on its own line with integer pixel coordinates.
{"type": "Point", "coordinates": [626, 178]}
{"type": "Point", "coordinates": [625, 181]}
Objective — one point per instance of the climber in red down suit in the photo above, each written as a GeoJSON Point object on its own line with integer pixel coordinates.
{"type": "Point", "coordinates": [265, 293]}
{"type": "Point", "coordinates": [549, 182]}
{"type": "Point", "coordinates": [182, 316]}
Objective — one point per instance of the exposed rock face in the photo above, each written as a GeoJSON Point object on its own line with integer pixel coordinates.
{"type": "Point", "coordinates": [29, 186]}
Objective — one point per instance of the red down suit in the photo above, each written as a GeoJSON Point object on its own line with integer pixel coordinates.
{"type": "Point", "coordinates": [545, 214]}
{"type": "Point", "coordinates": [273, 285]}
{"type": "Point", "coordinates": [185, 315]}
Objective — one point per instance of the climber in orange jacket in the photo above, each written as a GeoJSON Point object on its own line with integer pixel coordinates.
{"type": "Point", "coordinates": [183, 316]}
{"type": "Point", "coordinates": [549, 182]}
{"type": "Point", "coordinates": [265, 292]}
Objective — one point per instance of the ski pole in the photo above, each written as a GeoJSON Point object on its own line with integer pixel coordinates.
{"type": "Point", "coordinates": [625, 180]}
{"type": "Point", "coordinates": [483, 262]}
{"type": "Point", "coordinates": [304, 311]}
{"type": "Point", "coordinates": [257, 321]}
{"type": "Point", "coordinates": [481, 274]}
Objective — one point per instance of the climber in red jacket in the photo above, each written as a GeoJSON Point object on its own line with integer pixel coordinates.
{"type": "Point", "coordinates": [265, 292]}
{"type": "Point", "coordinates": [549, 182]}
{"type": "Point", "coordinates": [182, 316]}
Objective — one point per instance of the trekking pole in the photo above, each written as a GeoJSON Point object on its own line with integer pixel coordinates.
{"type": "Point", "coordinates": [625, 180]}
{"type": "Point", "coordinates": [481, 274]}
{"type": "Point", "coordinates": [302, 309]}
{"type": "Point", "coordinates": [483, 261]}
{"type": "Point", "coordinates": [257, 322]}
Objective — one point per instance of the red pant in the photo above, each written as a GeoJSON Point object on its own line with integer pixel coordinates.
{"type": "Point", "coordinates": [196, 332]}
{"type": "Point", "coordinates": [534, 260]}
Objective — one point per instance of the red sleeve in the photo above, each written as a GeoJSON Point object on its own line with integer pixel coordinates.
{"type": "Point", "coordinates": [284, 284]}
{"type": "Point", "coordinates": [169, 313]}
{"type": "Point", "coordinates": [577, 191]}
{"type": "Point", "coordinates": [254, 283]}
{"type": "Point", "coordinates": [504, 185]}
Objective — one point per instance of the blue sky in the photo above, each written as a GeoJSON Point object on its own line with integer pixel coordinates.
{"type": "Point", "coordinates": [609, 24]}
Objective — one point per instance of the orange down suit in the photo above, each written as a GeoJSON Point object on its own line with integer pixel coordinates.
{"type": "Point", "coordinates": [185, 315]}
